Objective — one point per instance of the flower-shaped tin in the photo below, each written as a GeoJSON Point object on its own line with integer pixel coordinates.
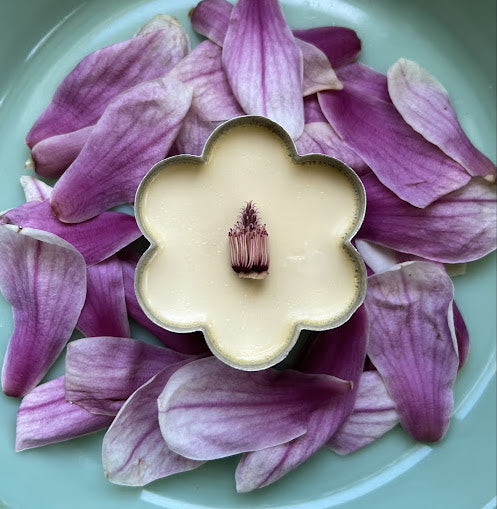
{"type": "Point", "coordinates": [250, 206]}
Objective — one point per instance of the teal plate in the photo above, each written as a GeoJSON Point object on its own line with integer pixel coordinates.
{"type": "Point", "coordinates": [40, 41]}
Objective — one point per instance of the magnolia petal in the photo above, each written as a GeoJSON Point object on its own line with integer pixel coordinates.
{"type": "Point", "coordinates": [460, 227]}
{"type": "Point", "coordinates": [209, 410]}
{"type": "Point", "coordinates": [102, 372]}
{"type": "Point", "coordinates": [85, 92]}
{"type": "Point", "coordinates": [462, 335]}
{"type": "Point", "coordinates": [413, 345]}
{"type": "Point", "coordinates": [193, 134]}
{"type": "Point", "coordinates": [188, 343]}
{"type": "Point", "coordinates": [44, 279]}
{"type": "Point", "coordinates": [424, 104]}
{"type": "Point", "coordinates": [134, 452]}
{"type": "Point", "coordinates": [136, 130]}
{"type": "Point", "coordinates": [374, 414]}
{"type": "Point", "coordinates": [45, 417]}
{"type": "Point", "coordinates": [264, 64]}
{"type": "Point", "coordinates": [364, 79]}
{"type": "Point", "coordinates": [341, 45]}
{"type": "Point", "coordinates": [414, 169]}
{"type": "Point", "coordinates": [210, 18]}
{"type": "Point", "coordinates": [312, 110]}
{"type": "Point", "coordinates": [340, 352]}
{"type": "Point", "coordinates": [104, 312]}
{"type": "Point", "coordinates": [96, 239]}
{"type": "Point", "coordinates": [52, 156]}
{"type": "Point", "coordinates": [34, 189]}
{"type": "Point", "coordinates": [165, 22]}
{"type": "Point", "coordinates": [321, 138]}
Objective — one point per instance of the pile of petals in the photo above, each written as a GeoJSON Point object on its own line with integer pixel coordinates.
{"type": "Point", "coordinates": [67, 262]}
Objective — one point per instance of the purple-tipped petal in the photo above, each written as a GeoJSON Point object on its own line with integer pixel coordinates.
{"type": "Point", "coordinates": [341, 45]}
{"type": "Point", "coordinates": [134, 452]}
{"type": "Point", "coordinates": [264, 64]}
{"type": "Point", "coordinates": [460, 227]}
{"type": "Point", "coordinates": [45, 417]}
{"type": "Point", "coordinates": [321, 138]}
{"type": "Point", "coordinates": [209, 410]}
{"type": "Point", "coordinates": [413, 345]}
{"type": "Point", "coordinates": [312, 110]}
{"type": "Point", "coordinates": [52, 156]}
{"type": "Point", "coordinates": [34, 189]}
{"type": "Point", "coordinates": [340, 352]}
{"type": "Point", "coordinates": [424, 104]}
{"type": "Point", "coordinates": [210, 18]}
{"type": "Point", "coordinates": [44, 279]}
{"type": "Point", "coordinates": [374, 414]}
{"type": "Point", "coordinates": [188, 343]}
{"type": "Point", "coordinates": [364, 79]}
{"type": "Point", "coordinates": [96, 239]}
{"type": "Point", "coordinates": [414, 169]}
{"type": "Point", "coordinates": [136, 130]}
{"type": "Point", "coordinates": [102, 372]}
{"type": "Point", "coordinates": [462, 335]}
{"type": "Point", "coordinates": [104, 312]}
{"type": "Point", "coordinates": [84, 94]}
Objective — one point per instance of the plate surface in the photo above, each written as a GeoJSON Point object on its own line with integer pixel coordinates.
{"type": "Point", "coordinates": [41, 41]}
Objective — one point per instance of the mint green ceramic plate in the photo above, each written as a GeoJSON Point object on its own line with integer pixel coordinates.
{"type": "Point", "coordinates": [40, 41]}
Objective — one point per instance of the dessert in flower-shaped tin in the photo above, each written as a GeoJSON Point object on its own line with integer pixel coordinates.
{"type": "Point", "coordinates": [250, 243]}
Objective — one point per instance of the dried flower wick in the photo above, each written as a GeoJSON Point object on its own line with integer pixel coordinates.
{"type": "Point", "coordinates": [248, 240]}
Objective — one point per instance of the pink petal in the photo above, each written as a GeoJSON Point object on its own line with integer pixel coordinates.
{"type": "Point", "coordinates": [209, 410]}
{"type": "Point", "coordinates": [133, 451]}
{"type": "Point", "coordinates": [413, 345]}
{"type": "Point", "coordinates": [374, 414]}
{"type": "Point", "coordinates": [414, 169]}
{"type": "Point", "coordinates": [104, 312]}
{"type": "Point", "coordinates": [424, 104]}
{"type": "Point", "coordinates": [460, 227]}
{"type": "Point", "coordinates": [45, 417]}
{"type": "Point", "coordinates": [84, 94]}
{"type": "Point", "coordinates": [364, 79]}
{"type": "Point", "coordinates": [96, 239]}
{"type": "Point", "coordinates": [193, 134]}
{"type": "Point", "coordinates": [312, 110]}
{"type": "Point", "coordinates": [264, 64]}
{"type": "Point", "coordinates": [210, 18]}
{"type": "Point", "coordinates": [135, 131]}
{"type": "Point", "coordinates": [44, 279]}
{"type": "Point", "coordinates": [102, 372]}
{"type": "Point", "coordinates": [34, 189]}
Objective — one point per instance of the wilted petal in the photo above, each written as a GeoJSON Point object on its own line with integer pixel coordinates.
{"type": "Point", "coordinates": [165, 22]}
{"type": "Point", "coordinates": [102, 372]}
{"type": "Point", "coordinates": [264, 64]}
{"type": "Point", "coordinates": [413, 345]}
{"type": "Point", "coordinates": [45, 417]}
{"type": "Point", "coordinates": [424, 104]}
{"type": "Point", "coordinates": [364, 79]}
{"type": "Point", "coordinates": [341, 45]}
{"type": "Point", "coordinates": [34, 189]}
{"type": "Point", "coordinates": [96, 239]}
{"type": "Point", "coordinates": [374, 414]}
{"type": "Point", "coordinates": [414, 169]}
{"type": "Point", "coordinates": [459, 227]}
{"type": "Point", "coordinates": [136, 131]}
{"type": "Point", "coordinates": [44, 279]}
{"type": "Point", "coordinates": [104, 312]}
{"type": "Point", "coordinates": [189, 343]}
{"type": "Point", "coordinates": [340, 352]}
{"type": "Point", "coordinates": [462, 335]}
{"type": "Point", "coordinates": [209, 410]}
{"type": "Point", "coordinates": [210, 18]}
{"type": "Point", "coordinates": [134, 452]}
{"type": "Point", "coordinates": [84, 94]}
{"type": "Point", "coordinates": [52, 156]}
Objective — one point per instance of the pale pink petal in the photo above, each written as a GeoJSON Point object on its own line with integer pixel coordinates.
{"type": "Point", "coordinates": [35, 189]}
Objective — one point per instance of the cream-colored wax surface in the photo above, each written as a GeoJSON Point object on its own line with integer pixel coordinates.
{"type": "Point", "coordinates": [187, 210]}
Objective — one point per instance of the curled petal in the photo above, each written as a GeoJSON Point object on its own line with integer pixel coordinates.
{"type": "Point", "coordinates": [44, 279]}
{"type": "Point", "coordinates": [209, 410]}
{"type": "Point", "coordinates": [34, 189]}
{"type": "Point", "coordinates": [45, 417]}
{"type": "Point", "coordinates": [85, 92]}
{"type": "Point", "coordinates": [96, 239]}
{"type": "Point", "coordinates": [414, 169]}
{"type": "Point", "coordinates": [104, 312]}
{"type": "Point", "coordinates": [133, 451]}
{"type": "Point", "coordinates": [136, 130]}
{"type": "Point", "coordinates": [264, 65]}
{"type": "Point", "coordinates": [424, 104]}
{"type": "Point", "coordinates": [459, 227]}
{"type": "Point", "coordinates": [374, 414]}
{"type": "Point", "coordinates": [462, 335]}
{"type": "Point", "coordinates": [413, 344]}
{"type": "Point", "coordinates": [102, 372]}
